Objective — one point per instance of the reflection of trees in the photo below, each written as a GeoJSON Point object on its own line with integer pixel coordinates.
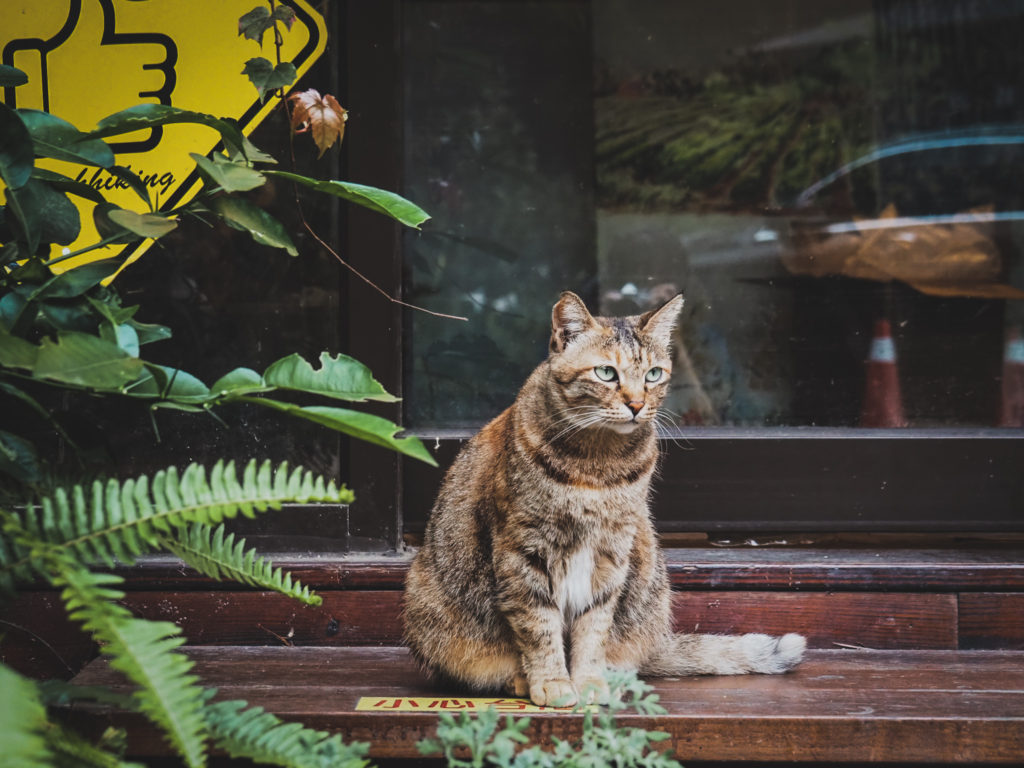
{"type": "Point", "coordinates": [754, 135]}
{"type": "Point", "coordinates": [760, 131]}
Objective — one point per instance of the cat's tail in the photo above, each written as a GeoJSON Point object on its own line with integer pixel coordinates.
{"type": "Point", "coordinates": [725, 655]}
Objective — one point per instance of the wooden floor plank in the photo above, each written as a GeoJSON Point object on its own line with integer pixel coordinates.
{"type": "Point", "coordinates": [881, 621]}
{"type": "Point", "coordinates": [909, 706]}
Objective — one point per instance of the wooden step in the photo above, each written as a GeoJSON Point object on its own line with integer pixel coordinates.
{"type": "Point", "coordinates": [961, 569]}
{"type": "Point", "coordinates": [838, 706]}
{"type": "Point", "coordinates": [970, 598]}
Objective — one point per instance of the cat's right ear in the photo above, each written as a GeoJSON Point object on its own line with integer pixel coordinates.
{"type": "Point", "coordinates": [569, 319]}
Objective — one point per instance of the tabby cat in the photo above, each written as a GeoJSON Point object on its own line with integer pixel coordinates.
{"type": "Point", "coordinates": [540, 567]}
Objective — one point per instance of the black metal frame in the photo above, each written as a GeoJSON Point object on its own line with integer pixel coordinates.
{"type": "Point", "coordinates": [711, 480]}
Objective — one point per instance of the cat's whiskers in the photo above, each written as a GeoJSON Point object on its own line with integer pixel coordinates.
{"type": "Point", "coordinates": [666, 425]}
{"type": "Point", "coordinates": [677, 423]}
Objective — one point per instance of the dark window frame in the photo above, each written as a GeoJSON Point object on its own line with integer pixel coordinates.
{"type": "Point", "coordinates": [711, 480]}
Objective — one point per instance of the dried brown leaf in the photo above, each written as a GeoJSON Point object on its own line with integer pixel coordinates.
{"type": "Point", "coordinates": [322, 116]}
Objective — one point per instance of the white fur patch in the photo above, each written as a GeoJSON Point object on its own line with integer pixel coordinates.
{"type": "Point", "coordinates": [574, 591]}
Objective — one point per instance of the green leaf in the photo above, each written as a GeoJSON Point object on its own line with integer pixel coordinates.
{"type": "Point", "coordinates": [123, 335]}
{"type": "Point", "coordinates": [12, 308]}
{"type": "Point", "coordinates": [365, 426]}
{"type": "Point", "coordinates": [85, 360]}
{"type": "Point", "coordinates": [340, 376]}
{"type": "Point", "coordinates": [111, 310]}
{"type": "Point", "coordinates": [43, 214]}
{"type": "Point", "coordinates": [231, 176]}
{"type": "Point", "coordinates": [68, 316]}
{"type": "Point", "coordinates": [17, 156]}
{"type": "Point", "coordinates": [164, 382]}
{"type": "Point", "coordinates": [136, 184]}
{"type": "Point", "coordinates": [32, 271]}
{"type": "Point", "coordinates": [59, 139]}
{"type": "Point", "coordinates": [107, 228]}
{"type": "Point", "coordinates": [67, 184]}
{"type": "Point", "coordinates": [268, 77]}
{"type": "Point", "coordinates": [11, 77]}
{"type": "Point", "coordinates": [249, 151]}
{"type": "Point", "coordinates": [152, 115]}
{"type": "Point", "coordinates": [379, 200]}
{"type": "Point", "coordinates": [149, 332]}
{"type": "Point", "coordinates": [19, 459]}
{"type": "Point", "coordinates": [143, 224]}
{"type": "Point", "coordinates": [22, 722]}
{"type": "Point", "coordinates": [253, 24]}
{"type": "Point", "coordinates": [15, 352]}
{"type": "Point", "coordinates": [285, 15]}
{"type": "Point", "coordinates": [78, 280]}
{"type": "Point", "coordinates": [264, 228]}
{"type": "Point", "coordinates": [241, 381]}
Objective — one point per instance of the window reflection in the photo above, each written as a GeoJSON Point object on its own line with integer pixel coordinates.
{"type": "Point", "coordinates": [821, 179]}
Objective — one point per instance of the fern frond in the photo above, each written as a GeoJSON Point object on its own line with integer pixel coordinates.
{"type": "Point", "coordinates": [219, 556]}
{"type": "Point", "coordinates": [115, 521]}
{"type": "Point", "coordinates": [142, 650]}
{"type": "Point", "coordinates": [14, 556]}
{"type": "Point", "coordinates": [22, 722]}
{"type": "Point", "coordinates": [251, 732]}
{"type": "Point", "coordinates": [72, 750]}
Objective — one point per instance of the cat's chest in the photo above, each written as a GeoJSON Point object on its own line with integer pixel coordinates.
{"type": "Point", "coordinates": [594, 568]}
{"type": "Point", "coordinates": [573, 582]}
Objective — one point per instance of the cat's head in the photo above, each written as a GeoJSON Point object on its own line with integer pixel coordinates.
{"type": "Point", "coordinates": [610, 372]}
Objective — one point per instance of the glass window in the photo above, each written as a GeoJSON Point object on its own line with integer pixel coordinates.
{"type": "Point", "coordinates": [498, 147]}
{"type": "Point", "coordinates": [835, 186]}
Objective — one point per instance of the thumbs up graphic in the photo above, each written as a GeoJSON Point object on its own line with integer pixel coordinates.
{"type": "Point", "coordinates": [81, 48]}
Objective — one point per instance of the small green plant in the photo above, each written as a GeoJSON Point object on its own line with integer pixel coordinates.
{"type": "Point", "coordinates": [71, 536]}
{"type": "Point", "coordinates": [486, 742]}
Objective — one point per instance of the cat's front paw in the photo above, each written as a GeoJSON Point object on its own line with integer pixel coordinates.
{"type": "Point", "coordinates": [773, 655]}
{"type": "Point", "coordinates": [553, 693]}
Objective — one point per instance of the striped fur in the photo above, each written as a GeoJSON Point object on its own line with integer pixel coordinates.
{"type": "Point", "coordinates": [540, 567]}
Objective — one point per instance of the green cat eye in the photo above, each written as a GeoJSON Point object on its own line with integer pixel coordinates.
{"type": "Point", "coordinates": [606, 373]}
{"type": "Point", "coordinates": [653, 375]}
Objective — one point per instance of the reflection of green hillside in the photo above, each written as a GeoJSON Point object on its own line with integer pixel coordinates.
{"type": "Point", "coordinates": [740, 140]}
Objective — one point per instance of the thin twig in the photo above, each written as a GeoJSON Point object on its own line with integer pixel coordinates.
{"type": "Point", "coordinates": [284, 640]}
{"type": "Point", "coordinates": [334, 253]}
{"type": "Point", "coordinates": [367, 280]}
{"type": "Point", "coordinates": [33, 635]}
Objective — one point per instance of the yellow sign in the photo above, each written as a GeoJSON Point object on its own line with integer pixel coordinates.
{"type": "Point", "coordinates": [86, 59]}
{"type": "Point", "coordinates": [421, 704]}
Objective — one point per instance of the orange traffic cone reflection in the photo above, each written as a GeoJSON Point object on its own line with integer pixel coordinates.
{"type": "Point", "coordinates": [883, 404]}
{"type": "Point", "coordinates": [1011, 411]}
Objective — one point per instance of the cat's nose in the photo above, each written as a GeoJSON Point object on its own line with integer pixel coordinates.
{"type": "Point", "coordinates": [635, 406]}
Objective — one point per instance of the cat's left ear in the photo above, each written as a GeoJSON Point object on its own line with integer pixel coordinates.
{"type": "Point", "coordinates": [660, 322]}
{"type": "Point", "coordinates": [569, 319]}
